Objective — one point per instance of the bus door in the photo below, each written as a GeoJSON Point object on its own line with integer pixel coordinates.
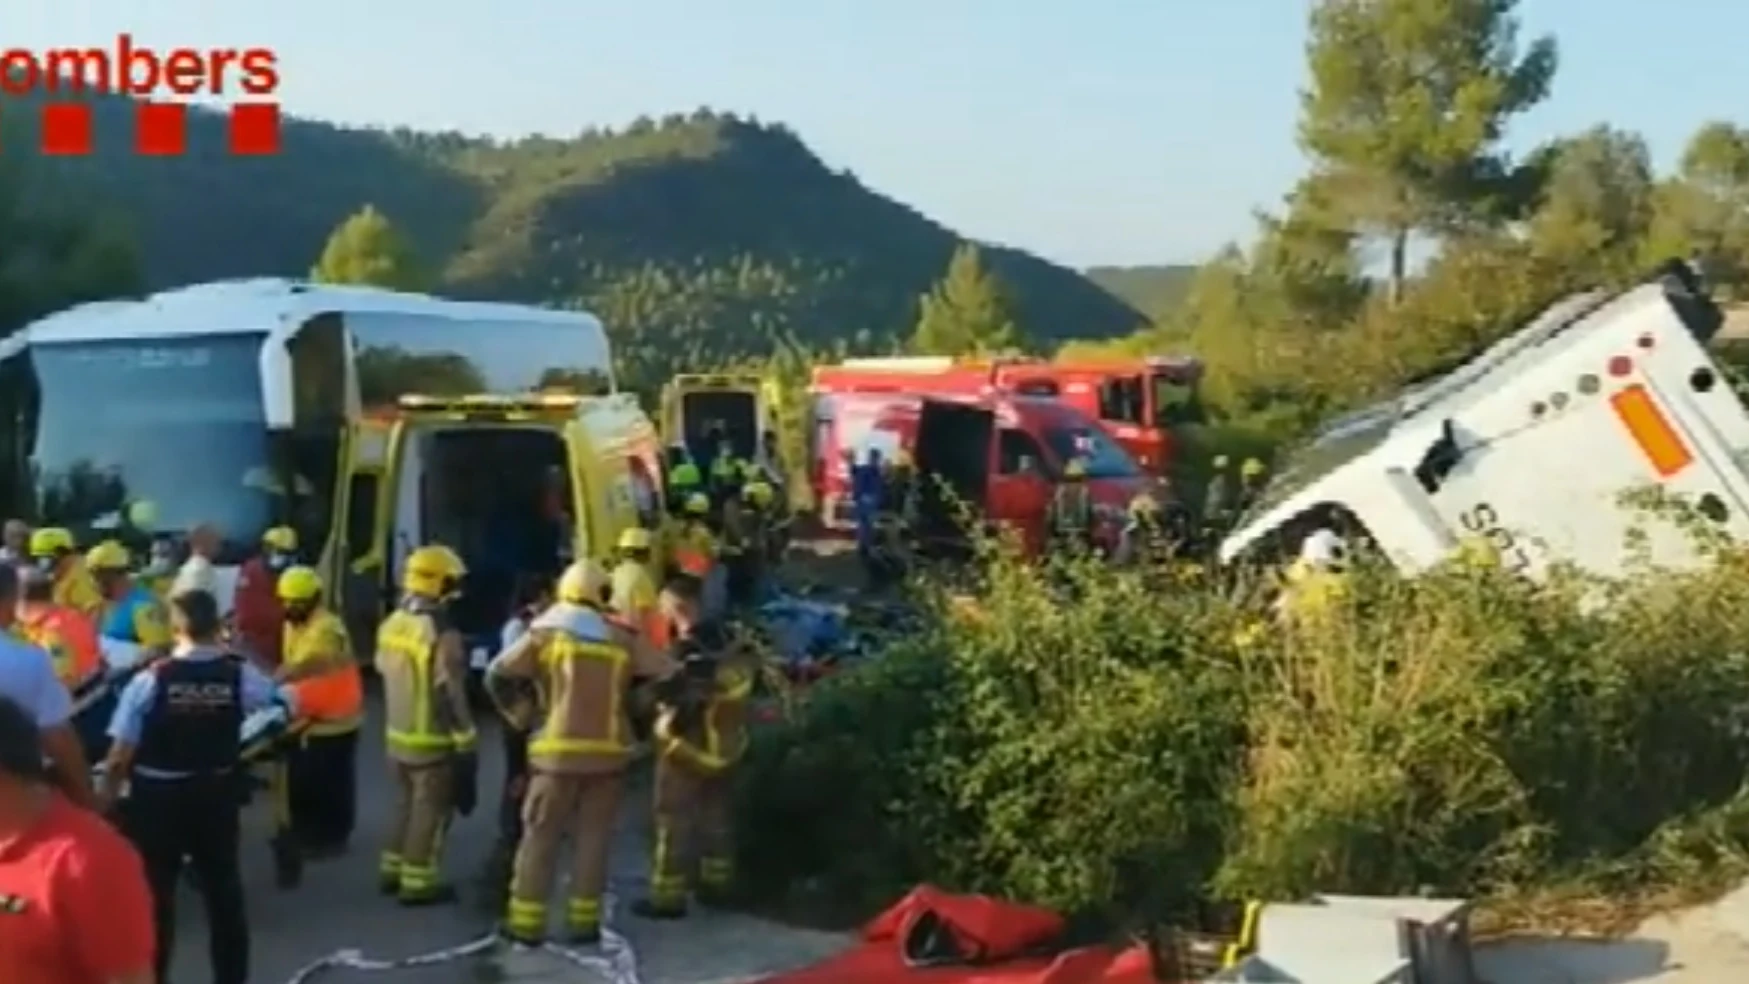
{"type": "Point", "coordinates": [737, 403]}
{"type": "Point", "coordinates": [355, 558]}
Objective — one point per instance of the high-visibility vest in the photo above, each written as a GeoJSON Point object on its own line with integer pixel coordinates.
{"type": "Point", "coordinates": [721, 737]}
{"type": "Point", "coordinates": [77, 589]}
{"type": "Point", "coordinates": [334, 701]}
{"type": "Point", "coordinates": [70, 639]}
{"type": "Point", "coordinates": [406, 658]}
{"type": "Point", "coordinates": [694, 548]}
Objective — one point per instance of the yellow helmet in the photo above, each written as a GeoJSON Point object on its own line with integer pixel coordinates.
{"type": "Point", "coordinates": [698, 504]}
{"type": "Point", "coordinates": [1251, 468]}
{"type": "Point", "coordinates": [51, 540]}
{"type": "Point", "coordinates": [281, 538]}
{"type": "Point", "coordinates": [758, 492]}
{"type": "Point", "coordinates": [299, 583]}
{"type": "Point", "coordinates": [1076, 468]}
{"type": "Point", "coordinates": [1145, 504]}
{"type": "Point", "coordinates": [634, 538]}
{"type": "Point", "coordinates": [108, 556]}
{"type": "Point", "coordinates": [584, 583]}
{"type": "Point", "coordinates": [432, 571]}
{"type": "Point", "coordinates": [1221, 461]}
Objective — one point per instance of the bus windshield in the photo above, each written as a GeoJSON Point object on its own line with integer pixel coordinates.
{"type": "Point", "coordinates": [176, 424]}
{"type": "Point", "coordinates": [1103, 457]}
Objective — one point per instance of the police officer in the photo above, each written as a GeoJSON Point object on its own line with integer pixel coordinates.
{"type": "Point", "coordinates": [429, 725]}
{"type": "Point", "coordinates": [175, 740]}
{"type": "Point", "coordinates": [579, 664]}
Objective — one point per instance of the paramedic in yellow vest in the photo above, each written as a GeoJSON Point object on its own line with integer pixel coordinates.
{"type": "Point", "coordinates": [757, 500]}
{"type": "Point", "coordinates": [70, 639]}
{"type": "Point", "coordinates": [700, 735]}
{"type": "Point", "coordinates": [1316, 582]}
{"type": "Point", "coordinates": [693, 547]}
{"type": "Point", "coordinates": [131, 613]}
{"type": "Point", "coordinates": [571, 675]}
{"type": "Point", "coordinates": [318, 666]}
{"type": "Point", "coordinates": [1069, 518]}
{"type": "Point", "coordinates": [430, 734]}
{"type": "Point", "coordinates": [1253, 476]}
{"type": "Point", "coordinates": [52, 549]}
{"type": "Point", "coordinates": [633, 593]}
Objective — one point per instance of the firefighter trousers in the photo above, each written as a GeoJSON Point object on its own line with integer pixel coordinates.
{"type": "Point", "coordinates": [323, 773]}
{"type": "Point", "coordinates": [692, 833]}
{"type": "Point", "coordinates": [584, 806]}
{"type": "Point", "coordinates": [423, 800]}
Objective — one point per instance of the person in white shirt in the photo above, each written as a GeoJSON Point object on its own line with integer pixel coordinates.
{"type": "Point", "coordinates": [196, 573]}
{"type": "Point", "coordinates": [14, 542]}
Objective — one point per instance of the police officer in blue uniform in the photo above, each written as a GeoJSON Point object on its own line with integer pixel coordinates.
{"type": "Point", "coordinates": [176, 736]}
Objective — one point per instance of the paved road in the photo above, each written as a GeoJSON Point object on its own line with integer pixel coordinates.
{"type": "Point", "coordinates": [337, 908]}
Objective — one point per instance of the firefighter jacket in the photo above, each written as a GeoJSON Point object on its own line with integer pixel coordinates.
{"type": "Point", "coordinates": [1071, 510]}
{"type": "Point", "coordinates": [710, 742]}
{"type": "Point", "coordinates": [425, 699]}
{"type": "Point", "coordinates": [76, 589]}
{"type": "Point", "coordinates": [333, 701]}
{"type": "Point", "coordinates": [581, 663]}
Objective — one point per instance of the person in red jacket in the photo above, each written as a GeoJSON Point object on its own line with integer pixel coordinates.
{"type": "Point", "coordinates": [74, 907]}
{"type": "Point", "coordinates": [259, 614]}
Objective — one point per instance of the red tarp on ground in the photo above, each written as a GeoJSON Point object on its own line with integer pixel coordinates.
{"type": "Point", "coordinates": [1000, 933]}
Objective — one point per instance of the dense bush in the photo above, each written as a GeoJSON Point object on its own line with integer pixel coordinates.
{"type": "Point", "coordinates": [1122, 743]}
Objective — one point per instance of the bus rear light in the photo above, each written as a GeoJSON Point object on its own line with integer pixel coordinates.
{"type": "Point", "coordinates": [1621, 365]}
{"type": "Point", "coordinates": [1647, 341]}
{"type": "Point", "coordinates": [1646, 424]}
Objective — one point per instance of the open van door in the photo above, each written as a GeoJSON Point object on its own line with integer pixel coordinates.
{"type": "Point", "coordinates": [1021, 486]}
{"type": "Point", "coordinates": [583, 520]}
{"type": "Point", "coordinates": [354, 561]}
{"type": "Point", "coordinates": [952, 454]}
{"type": "Point", "coordinates": [739, 402]}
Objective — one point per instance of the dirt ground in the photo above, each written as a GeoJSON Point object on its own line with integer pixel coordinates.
{"type": "Point", "coordinates": [1704, 945]}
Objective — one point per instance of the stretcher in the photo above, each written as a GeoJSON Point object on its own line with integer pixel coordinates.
{"type": "Point", "coordinates": [264, 741]}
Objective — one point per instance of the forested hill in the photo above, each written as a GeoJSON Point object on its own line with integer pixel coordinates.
{"type": "Point", "coordinates": [1156, 291]}
{"type": "Point", "coordinates": [699, 237]}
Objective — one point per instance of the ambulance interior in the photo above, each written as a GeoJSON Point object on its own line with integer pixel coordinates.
{"type": "Point", "coordinates": [735, 411]}
{"type": "Point", "coordinates": [497, 494]}
{"type": "Point", "coordinates": [952, 445]}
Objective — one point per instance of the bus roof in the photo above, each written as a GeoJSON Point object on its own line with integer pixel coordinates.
{"type": "Point", "coordinates": [263, 304]}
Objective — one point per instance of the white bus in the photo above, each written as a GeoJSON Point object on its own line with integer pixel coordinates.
{"type": "Point", "coordinates": [225, 402]}
{"type": "Point", "coordinates": [1531, 445]}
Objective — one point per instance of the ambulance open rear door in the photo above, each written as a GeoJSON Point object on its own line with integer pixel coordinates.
{"type": "Point", "coordinates": [744, 405]}
{"type": "Point", "coordinates": [355, 562]}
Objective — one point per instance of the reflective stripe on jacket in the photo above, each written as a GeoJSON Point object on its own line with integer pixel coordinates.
{"type": "Point", "coordinates": [417, 725]}
{"type": "Point", "coordinates": [720, 738]}
{"type": "Point", "coordinates": [333, 701]}
{"type": "Point", "coordinates": [585, 674]}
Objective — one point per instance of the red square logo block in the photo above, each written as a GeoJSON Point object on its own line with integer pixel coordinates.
{"type": "Point", "coordinates": [161, 129]}
{"type": "Point", "coordinates": [255, 128]}
{"type": "Point", "coordinates": [66, 128]}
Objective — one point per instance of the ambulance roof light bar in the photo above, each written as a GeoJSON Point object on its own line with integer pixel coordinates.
{"type": "Point", "coordinates": [525, 402]}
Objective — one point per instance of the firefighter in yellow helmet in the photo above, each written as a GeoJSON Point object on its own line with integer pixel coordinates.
{"type": "Point", "coordinates": [633, 593]}
{"type": "Point", "coordinates": [1217, 497]}
{"type": "Point", "coordinates": [693, 547]}
{"type": "Point", "coordinates": [54, 551]}
{"type": "Point", "coordinates": [701, 735]}
{"type": "Point", "coordinates": [758, 499]}
{"type": "Point", "coordinates": [429, 725]}
{"type": "Point", "coordinates": [1069, 518]}
{"type": "Point", "coordinates": [1253, 475]}
{"type": "Point", "coordinates": [570, 676]}
{"type": "Point", "coordinates": [319, 667]}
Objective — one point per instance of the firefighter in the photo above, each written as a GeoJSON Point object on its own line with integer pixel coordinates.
{"type": "Point", "coordinates": [53, 550]}
{"type": "Point", "coordinates": [570, 676]}
{"type": "Point", "coordinates": [534, 594]}
{"type": "Point", "coordinates": [757, 503]}
{"type": "Point", "coordinates": [683, 480]}
{"type": "Point", "coordinates": [429, 725]}
{"type": "Point", "coordinates": [259, 614]}
{"type": "Point", "coordinates": [1146, 538]}
{"type": "Point", "coordinates": [1217, 496]}
{"type": "Point", "coordinates": [1069, 518]}
{"type": "Point", "coordinates": [700, 736]}
{"type": "Point", "coordinates": [735, 546]}
{"type": "Point", "coordinates": [132, 612]}
{"type": "Point", "coordinates": [1252, 476]}
{"type": "Point", "coordinates": [633, 595]}
{"type": "Point", "coordinates": [322, 770]}
{"type": "Point", "coordinates": [70, 639]}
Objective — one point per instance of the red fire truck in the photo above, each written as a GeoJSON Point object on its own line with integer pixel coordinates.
{"type": "Point", "coordinates": [1137, 401]}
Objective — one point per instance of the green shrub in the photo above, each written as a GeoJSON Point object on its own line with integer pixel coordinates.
{"type": "Point", "coordinates": [1123, 743]}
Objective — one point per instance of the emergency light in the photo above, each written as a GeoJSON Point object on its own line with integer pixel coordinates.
{"type": "Point", "coordinates": [523, 405]}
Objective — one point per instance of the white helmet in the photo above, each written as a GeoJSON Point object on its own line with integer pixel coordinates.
{"type": "Point", "coordinates": [1324, 550]}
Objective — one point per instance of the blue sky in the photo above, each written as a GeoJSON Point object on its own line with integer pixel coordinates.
{"type": "Point", "coordinates": [1100, 131]}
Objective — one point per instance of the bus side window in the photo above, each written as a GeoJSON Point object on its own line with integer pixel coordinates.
{"type": "Point", "coordinates": [361, 515]}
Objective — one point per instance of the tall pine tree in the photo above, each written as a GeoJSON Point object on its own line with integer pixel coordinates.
{"type": "Point", "coordinates": [1406, 107]}
{"type": "Point", "coordinates": [965, 313]}
{"type": "Point", "coordinates": [368, 249]}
